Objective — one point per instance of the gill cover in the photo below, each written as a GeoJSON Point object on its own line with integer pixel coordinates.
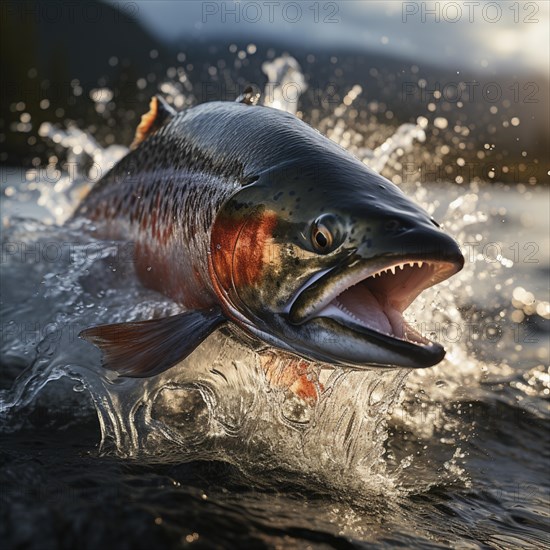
{"type": "Point", "coordinates": [241, 235]}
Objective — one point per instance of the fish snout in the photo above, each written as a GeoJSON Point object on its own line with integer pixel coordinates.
{"type": "Point", "coordinates": [433, 244]}
{"type": "Point", "coordinates": [407, 237]}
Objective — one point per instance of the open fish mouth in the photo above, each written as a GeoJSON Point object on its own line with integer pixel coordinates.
{"type": "Point", "coordinates": [368, 298]}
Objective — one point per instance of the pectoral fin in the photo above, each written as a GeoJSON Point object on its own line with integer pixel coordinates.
{"type": "Point", "coordinates": [147, 348]}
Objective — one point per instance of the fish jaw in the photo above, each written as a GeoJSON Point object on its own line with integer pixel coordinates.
{"type": "Point", "coordinates": [356, 310]}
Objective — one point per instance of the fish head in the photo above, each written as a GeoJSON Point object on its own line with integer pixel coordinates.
{"type": "Point", "coordinates": [322, 259]}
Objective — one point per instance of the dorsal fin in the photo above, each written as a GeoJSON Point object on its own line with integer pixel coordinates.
{"type": "Point", "coordinates": [249, 96]}
{"type": "Point", "coordinates": [159, 113]}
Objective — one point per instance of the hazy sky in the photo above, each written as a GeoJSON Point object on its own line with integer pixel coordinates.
{"type": "Point", "coordinates": [470, 34]}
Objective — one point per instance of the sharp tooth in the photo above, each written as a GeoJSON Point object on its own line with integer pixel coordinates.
{"type": "Point", "coordinates": [411, 264]}
{"type": "Point", "coordinates": [392, 268]}
{"type": "Point", "coordinates": [401, 266]}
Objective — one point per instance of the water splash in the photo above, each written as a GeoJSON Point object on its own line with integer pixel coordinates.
{"type": "Point", "coordinates": [286, 83]}
{"type": "Point", "coordinates": [216, 404]}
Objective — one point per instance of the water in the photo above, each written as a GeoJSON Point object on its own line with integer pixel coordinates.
{"type": "Point", "coordinates": [210, 453]}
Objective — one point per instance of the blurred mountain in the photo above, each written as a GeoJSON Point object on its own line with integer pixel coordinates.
{"type": "Point", "coordinates": [59, 58]}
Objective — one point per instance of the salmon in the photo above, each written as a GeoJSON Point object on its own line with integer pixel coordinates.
{"type": "Point", "coordinates": [246, 215]}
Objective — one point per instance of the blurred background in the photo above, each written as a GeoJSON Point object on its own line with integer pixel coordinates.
{"type": "Point", "coordinates": [477, 72]}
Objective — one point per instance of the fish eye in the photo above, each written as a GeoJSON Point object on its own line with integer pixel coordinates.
{"type": "Point", "coordinates": [325, 234]}
{"type": "Point", "coordinates": [322, 238]}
